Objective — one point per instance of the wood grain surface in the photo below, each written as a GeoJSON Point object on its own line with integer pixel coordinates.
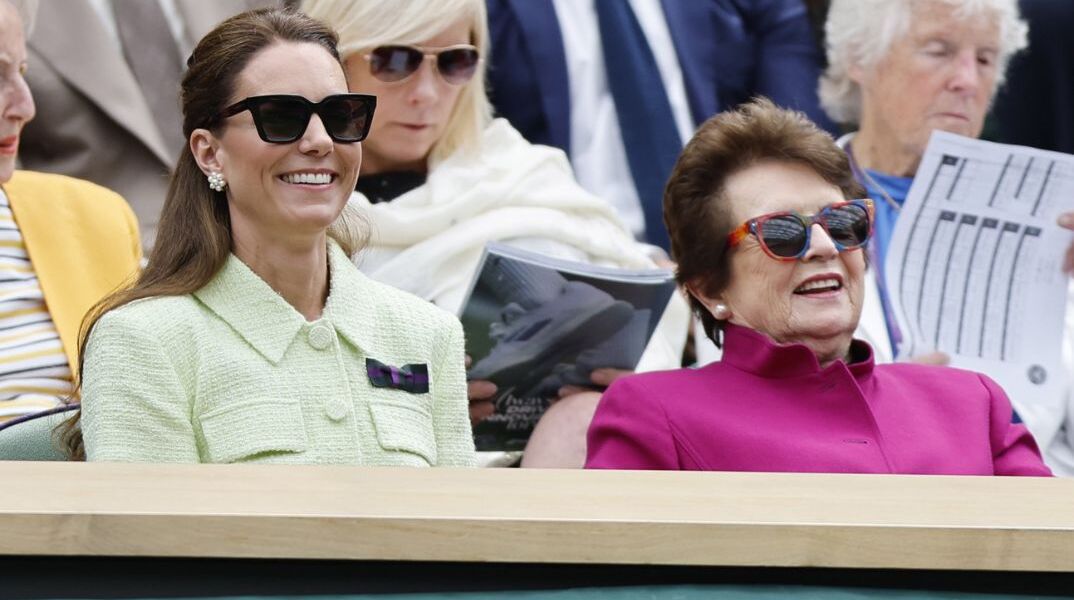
{"type": "Point", "coordinates": [537, 516]}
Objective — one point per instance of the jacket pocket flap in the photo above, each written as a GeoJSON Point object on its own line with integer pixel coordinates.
{"type": "Point", "coordinates": [243, 430]}
{"type": "Point", "coordinates": [404, 427]}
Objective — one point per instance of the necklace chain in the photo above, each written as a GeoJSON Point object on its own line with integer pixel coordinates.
{"type": "Point", "coordinates": [862, 174]}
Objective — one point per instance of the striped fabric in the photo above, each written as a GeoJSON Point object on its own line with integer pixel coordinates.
{"type": "Point", "coordinates": [34, 374]}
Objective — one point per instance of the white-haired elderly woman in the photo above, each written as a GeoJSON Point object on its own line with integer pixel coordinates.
{"type": "Point", "coordinates": [440, 178]}
{"type": "Point", "coordinates": [900, 69]}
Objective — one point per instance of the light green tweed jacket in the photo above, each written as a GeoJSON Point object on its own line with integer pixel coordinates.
{"type": "Point", "coordinates": [232, 373]}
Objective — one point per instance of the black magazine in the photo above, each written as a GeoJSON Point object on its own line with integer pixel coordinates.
{"type": "Point", "coordinates": [534, 324]}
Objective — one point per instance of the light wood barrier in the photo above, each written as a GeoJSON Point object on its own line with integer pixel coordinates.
{"type": "Point", "coordinates": [530, 516]}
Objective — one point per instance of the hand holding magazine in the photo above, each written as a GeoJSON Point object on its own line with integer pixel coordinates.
{"type": "Point", "coordinates": [535, 324]}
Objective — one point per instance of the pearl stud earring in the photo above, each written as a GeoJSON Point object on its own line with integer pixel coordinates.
{"type": "Point", "coordinates": [720, 311]}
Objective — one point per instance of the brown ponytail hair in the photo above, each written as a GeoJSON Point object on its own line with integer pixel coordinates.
{"type": "Point", "coordinates": [194, 232]}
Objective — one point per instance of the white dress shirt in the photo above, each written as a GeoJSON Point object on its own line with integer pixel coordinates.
{"type": "Point", "coordinates": [597, 152]}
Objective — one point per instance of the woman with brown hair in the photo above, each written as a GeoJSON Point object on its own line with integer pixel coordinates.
{"type": "Point", "coordinates": [768, 228]}
{"type": "Point", "coordinates": [251, 336]}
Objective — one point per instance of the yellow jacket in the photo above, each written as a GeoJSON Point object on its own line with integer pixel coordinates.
{"type": "Point", "coordinates": [83, 244]}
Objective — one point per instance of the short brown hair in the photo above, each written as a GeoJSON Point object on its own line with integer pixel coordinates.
{"type": "Point", "coordinates": [696, 211]}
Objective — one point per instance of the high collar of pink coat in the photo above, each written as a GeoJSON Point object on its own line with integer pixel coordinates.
{"type": "Point", "coordinates": [754, 352]}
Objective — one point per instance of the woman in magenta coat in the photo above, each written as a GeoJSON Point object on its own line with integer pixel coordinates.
{"type": "Point", "coordinates": [769, 239]}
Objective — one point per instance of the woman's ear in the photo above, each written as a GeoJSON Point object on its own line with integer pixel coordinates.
{"type": "Point", "coordinates": [715, 304]}
{"type": "Point", "coordinates": [207, 152]}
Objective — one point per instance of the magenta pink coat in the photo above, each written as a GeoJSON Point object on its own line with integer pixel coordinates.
{"type": "Point", "coordinates": [767, 407]}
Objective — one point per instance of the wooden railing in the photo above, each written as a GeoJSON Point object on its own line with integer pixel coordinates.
{"type": "Point", "coordinates": [533, 516]}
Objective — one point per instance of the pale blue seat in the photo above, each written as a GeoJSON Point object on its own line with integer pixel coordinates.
{"type": "Point", "coordinates": [32, 437]}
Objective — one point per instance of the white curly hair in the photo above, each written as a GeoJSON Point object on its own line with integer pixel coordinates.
{"type": "Point", "coordinates": [860, 33]}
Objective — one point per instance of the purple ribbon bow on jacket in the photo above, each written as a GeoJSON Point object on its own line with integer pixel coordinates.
{"type": "Point", "coordinates": [413, 378]}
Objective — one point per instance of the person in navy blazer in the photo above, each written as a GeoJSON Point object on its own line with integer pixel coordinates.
{"type": "Point", "coordinates": [728, 50]}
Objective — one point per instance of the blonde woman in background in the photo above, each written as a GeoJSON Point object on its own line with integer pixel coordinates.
{"type": "Point", "coordinates": [441, 178]}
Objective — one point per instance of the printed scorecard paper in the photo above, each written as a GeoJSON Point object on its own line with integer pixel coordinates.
{"type": "Point", "coordinates": [975, 265]}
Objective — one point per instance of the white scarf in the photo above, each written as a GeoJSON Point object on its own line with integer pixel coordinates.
{"type": "Point", "coordinates": [429, 241]}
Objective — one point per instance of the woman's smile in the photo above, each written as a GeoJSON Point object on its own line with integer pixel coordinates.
{"type": "Point", "coordinates": [310, 178]}
{"type": "Point", "coordinates": [826, 285]}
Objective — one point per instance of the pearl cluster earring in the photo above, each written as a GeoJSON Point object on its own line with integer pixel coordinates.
{"type": "Point", "coordinates": [216, 181]}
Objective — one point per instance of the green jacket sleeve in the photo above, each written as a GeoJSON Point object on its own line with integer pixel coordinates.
{"type": "Point", "coordinates": [135, 407]}
{"type": "Point", "coordinates": [451, 416]}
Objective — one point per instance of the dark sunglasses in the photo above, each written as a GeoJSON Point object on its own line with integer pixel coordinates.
{"type": "Point", "coordinates": [456, 64]}
{"type": "Point", "coordinates": [786, 235]}
{"type": "Point", "coordinates": [282, 119]}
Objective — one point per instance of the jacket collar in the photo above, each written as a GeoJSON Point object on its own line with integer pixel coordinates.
{"type": "Point", "coordinates": [352, 300]}
{"type": "Point", "coordinates": [756, 353]}
{"type": "Point", "coordinates": [269, 324]}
